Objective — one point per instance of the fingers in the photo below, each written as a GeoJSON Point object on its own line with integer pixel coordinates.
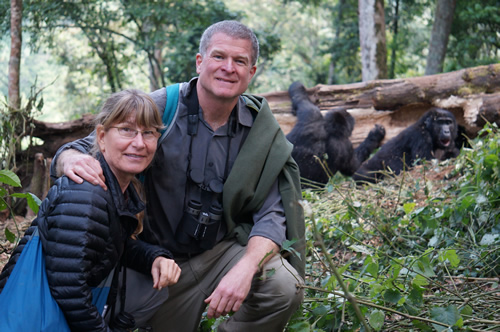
{"type": "Point", "coordinates": [221, 306]}
{"type": "Point", "coordinates": [84, 167]}
{"type": "Point", "coordinates": [165, 272]}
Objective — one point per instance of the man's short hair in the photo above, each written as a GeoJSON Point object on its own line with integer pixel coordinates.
{"type": "Point", "coordinates": [234, 29]}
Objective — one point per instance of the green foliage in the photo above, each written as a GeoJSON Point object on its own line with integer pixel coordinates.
{"type": "Point", "coordinates": [10, 179]}
{"type": "Point", "coordinates": [416, 253]}
{"type": "Point", "coordinates": [16, 125]}
{"type": "Point", "coordinates": [474, 37]}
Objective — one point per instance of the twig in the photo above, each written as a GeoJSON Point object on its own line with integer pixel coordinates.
{"type": "Point", "coordinates": [348, 295]}
{"type": "Point", "coordinates": [373, 305]}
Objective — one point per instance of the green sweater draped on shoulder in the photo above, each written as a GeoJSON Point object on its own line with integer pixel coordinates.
{"type": "Point", "coordinates": [265, 156]}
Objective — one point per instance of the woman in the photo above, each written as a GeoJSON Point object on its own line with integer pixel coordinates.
{"type": "Point", "coordinates": [86, 230]}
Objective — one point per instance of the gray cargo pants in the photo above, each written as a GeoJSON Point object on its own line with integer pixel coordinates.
{"type": "Point", "coordinates": [268, 307]}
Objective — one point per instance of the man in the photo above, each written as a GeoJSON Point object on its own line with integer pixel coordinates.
{"type": "Point", "coordinates": [222, 195]}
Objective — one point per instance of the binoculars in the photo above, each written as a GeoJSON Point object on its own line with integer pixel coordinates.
{"type": "Point", "coordinates": [201, 226]}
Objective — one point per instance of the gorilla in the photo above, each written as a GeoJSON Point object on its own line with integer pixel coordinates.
{"type": "Point", "coordinates": [433, 136]}
{"type": "Point", "coordinates": [326, 138]}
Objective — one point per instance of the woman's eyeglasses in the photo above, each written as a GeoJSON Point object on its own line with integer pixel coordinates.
{"type": "Point", "coordinates": [147, 135]}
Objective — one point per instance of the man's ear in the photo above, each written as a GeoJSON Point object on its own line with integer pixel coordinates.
{"type": "Point", "coordinates": [199, 60]}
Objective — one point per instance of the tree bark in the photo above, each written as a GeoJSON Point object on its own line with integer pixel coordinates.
{"type": "Point", "coordinates": [16, 16]}
{"type": "Point", "coordinates": [372, 39]}
{"type": "Point", "coordinates": [443, 19]}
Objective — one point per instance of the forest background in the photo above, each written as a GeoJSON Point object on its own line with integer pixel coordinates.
{"type": "Point", "coordinates": [79, 52]}
{"type": "Point", "coordinates": [419, 252]}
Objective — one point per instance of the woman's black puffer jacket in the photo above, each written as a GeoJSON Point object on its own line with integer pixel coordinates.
{"type": "Point", "coordinates": [84, 232]}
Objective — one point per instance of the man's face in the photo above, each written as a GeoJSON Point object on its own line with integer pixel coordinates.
{"type": "Point", "coordinates": [226, 69]}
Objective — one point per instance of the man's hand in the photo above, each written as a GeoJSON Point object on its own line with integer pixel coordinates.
{"type": "Point", "coordinates": [235, 285]}
{"type": "Point", "coordinates": [165, 272]}
{"type": "Point", "coordinates": [78, 167]}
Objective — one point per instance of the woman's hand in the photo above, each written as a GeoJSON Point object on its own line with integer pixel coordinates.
{"type": "Point", "coordinates": [165, 272]}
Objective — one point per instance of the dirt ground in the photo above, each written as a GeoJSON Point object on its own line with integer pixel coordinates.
{"type": "Point", "coordinates": [6, 247]}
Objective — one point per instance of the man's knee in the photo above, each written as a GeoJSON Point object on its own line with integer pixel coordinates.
{"type": "Point", "coordinates": [284, 282]}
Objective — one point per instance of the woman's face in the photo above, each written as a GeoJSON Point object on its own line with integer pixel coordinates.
{"type": "Point", "coordinates": [125, 155]}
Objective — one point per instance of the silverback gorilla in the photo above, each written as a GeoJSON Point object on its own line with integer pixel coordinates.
{"type": "Point", "coordinates": [432, 136]}
{"type": "Point", "coordinates": [327, 138]}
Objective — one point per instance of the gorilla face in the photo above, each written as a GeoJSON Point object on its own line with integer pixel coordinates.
{"type": "Point", "coordinates": [444, 129]}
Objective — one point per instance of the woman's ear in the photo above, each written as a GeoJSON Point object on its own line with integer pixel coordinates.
{"type": "Point", "coordinates": [100, 132]}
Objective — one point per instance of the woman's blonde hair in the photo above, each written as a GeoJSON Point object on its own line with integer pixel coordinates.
{"type": "Point", "coordinates": [118, 108]}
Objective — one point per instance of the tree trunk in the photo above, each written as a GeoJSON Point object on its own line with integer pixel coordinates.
{"type": "Point", "coordinates": [16, 16]}
{"type": "Point", "coordinates": [440, 35]}
{"type": "Point", "coordinates": [372, 39]}
{"type": "Point", "coordinates": [155, 72]}
{"type": "Point", "coordinates": [394, 45]}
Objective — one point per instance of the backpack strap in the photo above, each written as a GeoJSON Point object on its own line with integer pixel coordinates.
{"type": "Point", "coordinates": [171, 104]}
{"type": "Point", "coordinates": [171, 107]}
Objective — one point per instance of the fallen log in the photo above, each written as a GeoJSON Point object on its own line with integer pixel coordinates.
{"type": "Point", "coordinates": [472, 94]}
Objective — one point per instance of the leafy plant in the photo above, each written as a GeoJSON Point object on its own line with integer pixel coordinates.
{"type": "Point", "coordinates": [419, 251]}
{"type": "Point", "coordinates": [10, 179]}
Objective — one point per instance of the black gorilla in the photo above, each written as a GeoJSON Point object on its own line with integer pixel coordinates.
{"type": "Point", "coordinates": [327, 138]}
{"type": "Point", "coordinates": [432, 136]}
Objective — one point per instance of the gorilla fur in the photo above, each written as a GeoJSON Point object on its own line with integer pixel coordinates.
{"type": "Point", "coordinates": [432, 136]}
{"type": "Point", "coordinates": [327, 138]}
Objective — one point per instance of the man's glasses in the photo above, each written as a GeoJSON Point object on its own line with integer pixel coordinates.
{"type": "Point", "coordinates": [147, 135]}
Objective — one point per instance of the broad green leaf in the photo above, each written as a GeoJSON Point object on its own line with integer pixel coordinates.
{"type": "Point", "coordinates": [424, 267]}
{"type": "Point", "coordinates": [287, 245]}
{"type": "Point", "coordinates": [448, 315]}
{"type": "Point", "coordinates": [372, 268]}
{"type": "Point", "coordinates": [451, 256]}
{"type": "Point", "coordinates": [10, 178]}
{"type": "Point", "coordinates": [421, 326]}
{"type": "Point", "coordinates": [376, 319]}
{"type": "Point", "coordinates": [33, 201]}
{"type": "Point", "coordinates": [9, 235]}
{"type": "Point", "coordinates": [412, 310]}
{"type": "Point", "coordinates": [301, 327]}
{"type": "Point", "coordinates": [3, 205]}
{"type": "Point", "coordinates": [416, 296]}
{"type": "Point", "coordinates": [344, 268]}
{"type": "Point", "coordinates": [376, 289]}
{"type": "Point", "coordinates": [392, 296]}
{"type": "Point", "coordinates": [467, 201]}
{"type": "Point", "coordinates": [409, 207]}
{"type": "Point", "coordinates": [331, 283]}
{"type": "Point", "coordinates": [466, 311]}
{"type": "Point", "coordinates": [320, 310]}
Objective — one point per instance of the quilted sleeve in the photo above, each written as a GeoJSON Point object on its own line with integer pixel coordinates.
{"type": "Point", "coordinates": [73, 230]}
